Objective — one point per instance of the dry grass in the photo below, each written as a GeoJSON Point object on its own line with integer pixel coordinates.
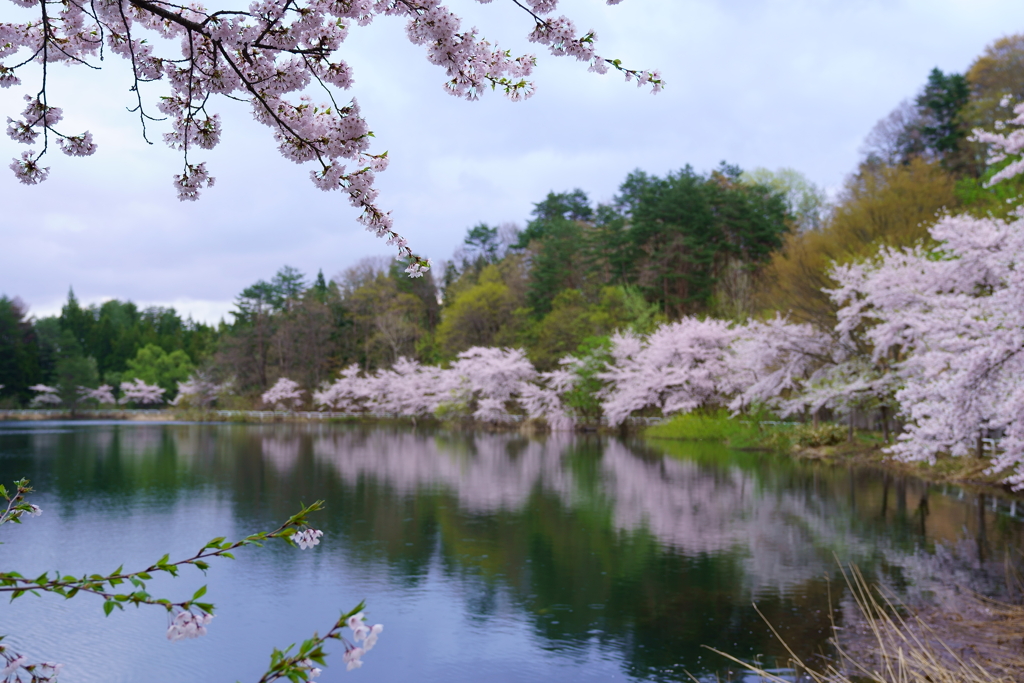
{"type": "Point", "coordinates": [880, 645]}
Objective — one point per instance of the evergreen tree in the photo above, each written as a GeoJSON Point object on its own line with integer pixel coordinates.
{"type": "Point", "coordinates": [19, 351]}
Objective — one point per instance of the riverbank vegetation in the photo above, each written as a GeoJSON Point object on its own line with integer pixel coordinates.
{"type": "Point", "coordinates": [693, 291]}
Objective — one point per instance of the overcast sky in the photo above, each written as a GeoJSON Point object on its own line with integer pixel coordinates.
{"type": "Point", "coordinates": [757, 83]}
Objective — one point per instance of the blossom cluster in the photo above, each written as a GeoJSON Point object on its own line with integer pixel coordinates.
{"type": "Point", "coordinates": [45, 395]}
{"type": "Point", "coordinates": [187, 624]}
{"type": "Point", "coordinates": [681, 366]}
{"type": "Point", "coordinates": [307, 538]}
{"type": "Point", "coordinates": [14, 665]}
{"type": "Point", "coordinates": [199, 391]}
{"type": "Point", "coordinates": [364, 637]}
{"type": "Point", "coordinates": [285, 393]}
{"type": "Point", "coordinates": [140, 393]}
{"type": "Point", "coordinates": [269, 56]}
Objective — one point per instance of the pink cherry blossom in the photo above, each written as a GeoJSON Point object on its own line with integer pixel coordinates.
{"type": "Point", "coordinates": [284, 393]}
{"type": "Point", "coordinates": [186, 624]}
{"type": "Point", "coordinates": [103, 395]}
{"type": "Point", "coordinates": [45, 395]}
{"type": "Point", "coordinates": [273, 56]}
{"type": "Point", "coordinates": [140, 393]}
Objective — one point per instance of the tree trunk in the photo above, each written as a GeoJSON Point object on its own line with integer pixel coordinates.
{"type": "Point", "coordinates": [849, 435]}
{"type": "Point", "coordinates": [885, 423]}
{"type": "Point", "coordinates": [979, 449]}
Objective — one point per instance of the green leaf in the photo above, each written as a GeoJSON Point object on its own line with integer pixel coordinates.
{"type": "Point", "coordinates": [108, 607]}
{"type": "Point", "coordinates": [199, 593]}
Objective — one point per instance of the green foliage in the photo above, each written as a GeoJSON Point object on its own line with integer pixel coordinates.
{"type": "Point", "coordinates": [153, 365]}
{"type": "Point", "coordinates": [824, 434]}
{"type": "Point", "coordinates": [73, 369]}
{"type": "Point", "coordinates": [942, 102]}
{"type": "Point", "coordinates": [480, 315]}
{"type": "Point", "coordinates": [561, 330]}
{"type": "Point", "coordinates": [743, 431]}
{"type": "Point", "coordinates": [583, 400]}
{"type": "Point", "coordinates": [687, 228]}
{"type": "Point", "coordinates": [112, 333]}
{"type": "Point", "coordinates": [999, 200]}
{"type": "Point", "coordinates": [806, 202]}
{"type": "Point", "coordinates": [19, 352]}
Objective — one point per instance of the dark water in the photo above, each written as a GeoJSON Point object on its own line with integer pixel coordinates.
{"type": "Point", "coordinates": [487, 557]}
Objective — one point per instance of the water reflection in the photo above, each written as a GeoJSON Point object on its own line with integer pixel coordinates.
{"type": "Point", "coordinates": [583, 557]}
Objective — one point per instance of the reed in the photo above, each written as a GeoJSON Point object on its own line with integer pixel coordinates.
{"type": "Point", "coordinates": [902, 649]}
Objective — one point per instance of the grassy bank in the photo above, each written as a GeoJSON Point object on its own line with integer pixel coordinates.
{"type": "Point", "coordinates": [825, 442]}
{"type": "Point", "coordinates": [718, 426]}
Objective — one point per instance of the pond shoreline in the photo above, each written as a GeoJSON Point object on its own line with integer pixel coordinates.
{"type": "Point", "coordinates": [969, 472]}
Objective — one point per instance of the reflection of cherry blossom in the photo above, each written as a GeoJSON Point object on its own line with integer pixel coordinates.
{"type": "Point", "coordinates": [684, 505]}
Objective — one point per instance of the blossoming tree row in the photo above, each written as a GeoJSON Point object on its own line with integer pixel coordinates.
{"type": "Point", "coordinates": [135, 392]}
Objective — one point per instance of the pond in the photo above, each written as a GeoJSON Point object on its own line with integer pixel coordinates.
{"type": "Point", "coordinates": [487, 557]}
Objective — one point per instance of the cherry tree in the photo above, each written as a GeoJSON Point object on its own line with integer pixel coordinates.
{"type": "Point", "coordinates": [269, 55]}
{"type": "Point", "coordinates": [1003, 146]}
{"type": "Point", "coordinates": [285, 392]}
{"type": "Point", "coordinates": [783, 365]}
{"type": "Point", "coordinates": [486, 384]}
{"type": "Point", "coordinates": [104, 394]}
{"type": "Point", "coordinates": [407, 389]}
{"type": "Point", "coordinates": [348, 394]}
{"type": "Point", "coordinates": [953, 316]}
{"type": "Point", "coordinates": [198, 390]}
{"type": "Point", "coordinates": [544, 399]}
{"type": "Point", "coordinates": [140, 393]}
{"type": "Point", "coordinates": [681, 366]}
{"type": "Point", "coordinates": [45, 395]}
{"type": "Point", "coordinates": [485, 380]}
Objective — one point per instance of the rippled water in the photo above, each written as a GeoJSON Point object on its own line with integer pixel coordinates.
{"type": "Point", "coordinates": [488, 557]}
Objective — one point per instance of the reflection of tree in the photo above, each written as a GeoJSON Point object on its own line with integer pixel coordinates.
{"type": "Point", "coordinates": [785, 537]}
{"type": "Point", "coordinates": [601, 543]}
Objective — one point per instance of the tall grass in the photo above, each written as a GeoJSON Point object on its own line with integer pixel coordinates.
{"type": "Point", "coordinates": [719, 425]}
{"type": "Point", "coordinates": [904, 650]}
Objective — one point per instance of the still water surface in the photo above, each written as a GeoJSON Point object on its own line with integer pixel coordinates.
{"type": "Point", "coordinates": [488, 557]}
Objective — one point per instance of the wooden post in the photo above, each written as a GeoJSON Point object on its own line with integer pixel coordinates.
{"type": "Point", "coordinates": [979, 450]}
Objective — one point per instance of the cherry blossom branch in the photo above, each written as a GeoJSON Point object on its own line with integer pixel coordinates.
{"type": "Point", "coordinates": [16, 505]}
{"type": "Point", "coordinates": [301, 665]}
{"type": "Point", "coordinates": [103, 585]}
{"type": "Point", "coordinates": [298, 666]}
{"type": "Point", "coordinates": [263, 56]}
